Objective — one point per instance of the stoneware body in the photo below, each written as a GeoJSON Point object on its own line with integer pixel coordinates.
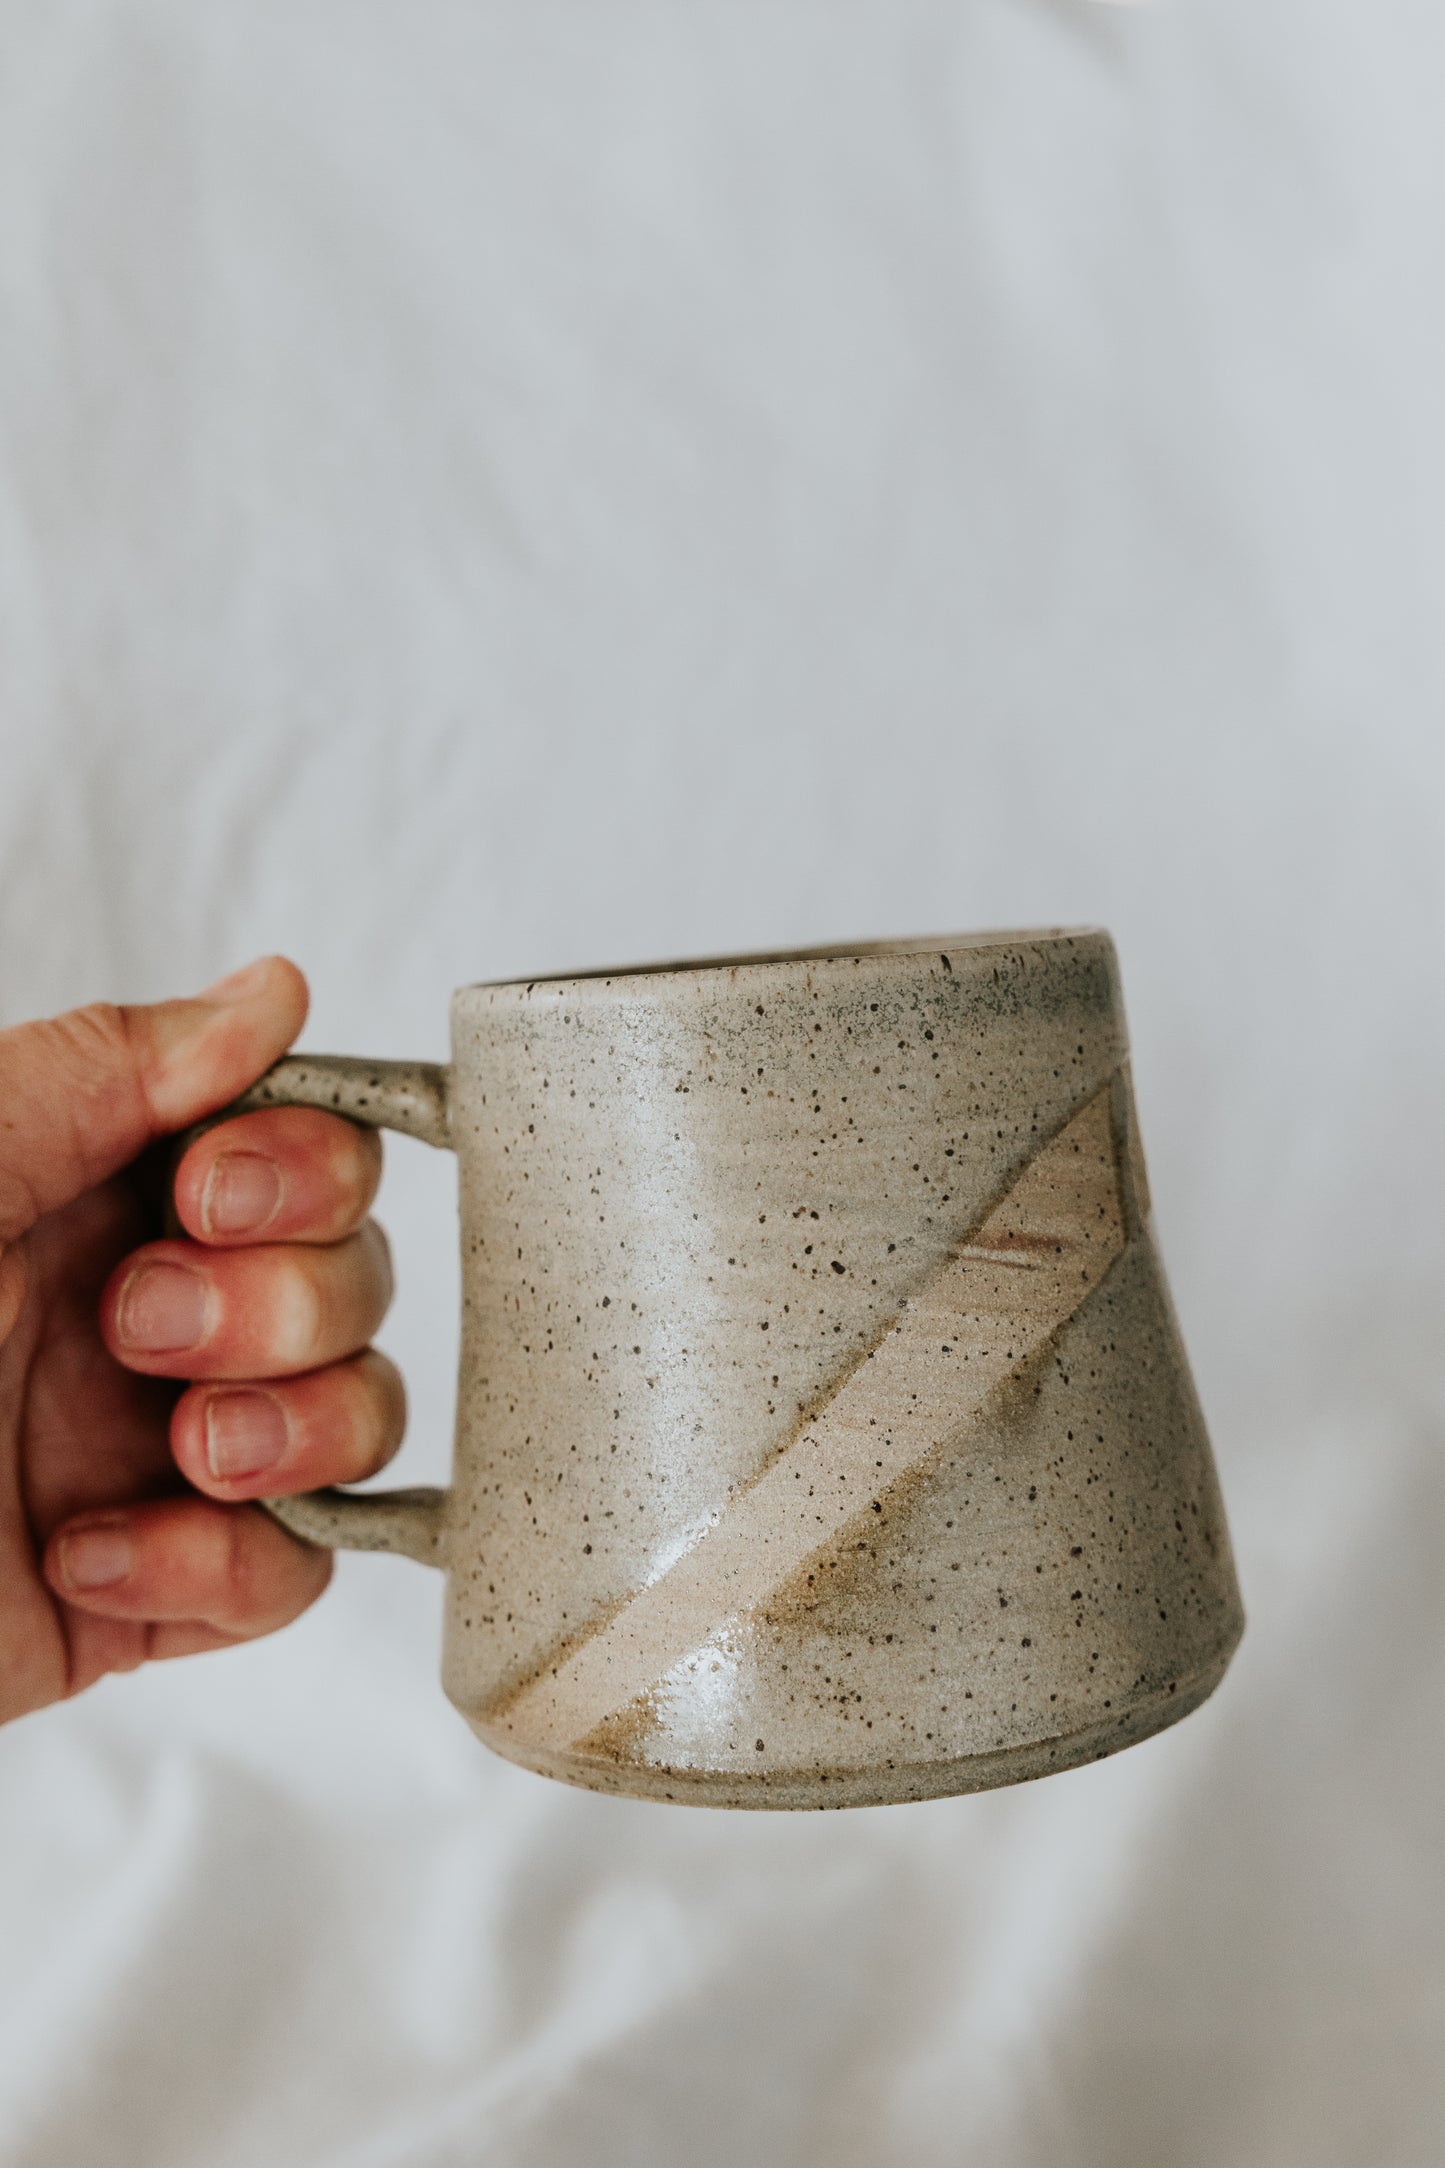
{"type": "Point", "coordinates": [824, 1434]}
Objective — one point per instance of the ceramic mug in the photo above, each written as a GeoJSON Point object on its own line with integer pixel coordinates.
{"type": "Point", "coordinates": [824, 1434]}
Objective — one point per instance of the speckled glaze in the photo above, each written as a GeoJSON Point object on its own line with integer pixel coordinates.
{"type": "Point", "coordinates": [824, 1433]}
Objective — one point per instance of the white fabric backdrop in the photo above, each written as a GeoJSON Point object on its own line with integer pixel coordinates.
{"type": "Point", "coordinates": [494, 487]}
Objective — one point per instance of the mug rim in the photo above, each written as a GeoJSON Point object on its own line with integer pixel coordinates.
{"type": "Point", "coordinates": [603, 976]}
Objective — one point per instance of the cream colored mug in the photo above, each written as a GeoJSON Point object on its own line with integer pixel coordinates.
{"type": "Point", "coordinates": [824, 1434]}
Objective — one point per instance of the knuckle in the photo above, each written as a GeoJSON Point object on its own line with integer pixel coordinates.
{"type": "Point", "coordinates": [309, 1315]}
{"type": "Point", "coordinates": [379, 1410]}
{"type": "Point", "coordinates": [392, 1390]}
{"type": "Point", "coordinates": [93, 1038]}
{"type": "Point", "coordinates": [376, 1235]}
{"type": "Point", "coordinates": [92, 1054]}
{"type": "Point", "coordinates": [98, 1046]}
{"type": "Point", "coordinates": [270, 1578]}
{"type": "Point", "coordinates": [362, 1171]}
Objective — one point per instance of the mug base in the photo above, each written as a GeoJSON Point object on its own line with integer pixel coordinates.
{"type": "Point", "coordinates": [880, 1785]}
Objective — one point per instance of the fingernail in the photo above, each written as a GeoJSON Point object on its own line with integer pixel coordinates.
{"type": "Point", "coordinates": [245, 1432]}
{"type": "Point", "coordinates": [241, 1194]}
{"type": "Point", "coordinates": [96, 1556]}
{"type": "Point", "coordinates": [162, 1309]}
{"type": "Point", "coordinates": [238, 984]}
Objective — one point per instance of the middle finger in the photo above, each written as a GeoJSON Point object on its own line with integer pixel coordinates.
{"type": "Point", "coordinates": [179, 1310]}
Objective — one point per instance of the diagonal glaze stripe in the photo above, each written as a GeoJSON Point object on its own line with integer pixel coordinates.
{"type": "Point", "coordinates": [993, 1302]}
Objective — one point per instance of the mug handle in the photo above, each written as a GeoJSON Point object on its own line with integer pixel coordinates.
{"type": "Point", "coordinates": [409, 1096]}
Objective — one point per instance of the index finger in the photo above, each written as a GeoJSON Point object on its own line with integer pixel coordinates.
{"type": "Point", "coordinates": [282, 1174]}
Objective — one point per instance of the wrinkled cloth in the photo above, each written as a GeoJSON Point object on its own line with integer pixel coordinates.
{"type": "Point", "coordinates": [492, 489]}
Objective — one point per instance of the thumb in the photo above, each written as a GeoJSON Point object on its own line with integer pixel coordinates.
{"type": "Point", "coordinates": [83, 1094]}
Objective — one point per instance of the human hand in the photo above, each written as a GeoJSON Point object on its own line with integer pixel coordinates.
{"type": "Point", "coordinates": [124, 1531]}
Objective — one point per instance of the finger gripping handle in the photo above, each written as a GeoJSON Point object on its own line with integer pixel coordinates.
{"type": "Point", "coordinates": [409, 1096]}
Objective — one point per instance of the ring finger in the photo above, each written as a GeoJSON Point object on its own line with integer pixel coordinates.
{"type": "Point", "coordinates": [180, 1310]}
{"type": "Point", "coordinates": [261, 1441]}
